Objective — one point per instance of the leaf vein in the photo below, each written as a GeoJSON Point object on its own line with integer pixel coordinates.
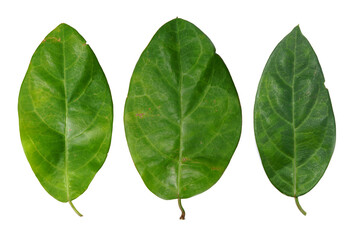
{"type": "Point", "coordinates": [312, 108]}
{"type": "Point", "coordinates": [273, 108]}
{"type": "Point", "coordinates": [42, 156]}
{"type": "Point", "coordinates": [273, 143]}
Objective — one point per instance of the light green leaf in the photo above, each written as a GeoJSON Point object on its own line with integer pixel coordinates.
{"type": "Point", "coordinates": [65, 114]}
{"type": "Point", "coordinates": [182, 114]}
{"type": "Point", "coordinates": [293, 118]}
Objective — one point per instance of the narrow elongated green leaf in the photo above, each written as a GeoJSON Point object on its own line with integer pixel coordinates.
{"type": "Point", "coordinates": [182, 114]}
{"type": "Point", "coordinates": [65, 114]}
{"type": "Point", "coordinates": [293, 118]}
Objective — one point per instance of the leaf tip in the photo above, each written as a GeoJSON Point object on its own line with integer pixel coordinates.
{"type": "Point", "coordinates": [297, 28]}
{"type": "Point", "coordinates": [64, 27]}
{"type": "Point", "coordinates": [177, 19]}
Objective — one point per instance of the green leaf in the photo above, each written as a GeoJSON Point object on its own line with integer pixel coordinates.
{"type": "Point", "coordinates": [293, 118]}
{"type": "Point", "coordinates": [182, 114]}
{"type": "Point", "coordinates": [65, 114]}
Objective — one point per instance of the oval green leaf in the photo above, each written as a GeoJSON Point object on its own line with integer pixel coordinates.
{"type": "Point", "coordinates": [293, 118]}
{"type": "Point", "coordinates": [65, 114]}
{"type": "Point", "coordinates": [182, 114]}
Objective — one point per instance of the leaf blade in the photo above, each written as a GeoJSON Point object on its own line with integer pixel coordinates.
{"type": "Point", "coordinates": [293, 119]}
{"type": "Point", "coordinates": [178, 79]}
{"type": "Point", "coordinates": [65, 114]}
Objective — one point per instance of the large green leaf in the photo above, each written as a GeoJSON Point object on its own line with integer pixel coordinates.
{"type": "Point", "coordinates": [294, 121]}
{"type": "Point", "coordinates": [182, 114]}
{"type": "Point", "coordinates": [65, 114]}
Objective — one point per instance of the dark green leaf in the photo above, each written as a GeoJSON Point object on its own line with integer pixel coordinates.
{"type": "Point", "coordinates": [294, 121]}
{"type": "Point", "coordinates": [65, 114]}
{"type": "Point", "coordinates": [182, 115]}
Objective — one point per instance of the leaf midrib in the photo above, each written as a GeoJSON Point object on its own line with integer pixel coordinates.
{"type": "Point", "coordinates": [180, 109]}
{"type": "Point", "coordinates": [66, 118]}
{"type": "Point", "coordinates": [293, 117]}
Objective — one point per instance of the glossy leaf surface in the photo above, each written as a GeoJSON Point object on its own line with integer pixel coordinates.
{"type": "Point", "coordinates": [65, 114]}
{"type": "Point", "coordinates": [182, 115]}
{"type": "Point", "coordinates": [294, 121]}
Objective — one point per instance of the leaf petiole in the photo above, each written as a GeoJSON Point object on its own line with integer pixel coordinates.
{"type": "Point", "coordinates": [73, 207]}
{"type": "Point", "coordinates": [299, 206]}
{"type": "Point", "coordinates": [182, 217]}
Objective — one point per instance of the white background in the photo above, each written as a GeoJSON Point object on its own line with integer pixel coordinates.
{"type": "Point", "coordinates": [243, 204]}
